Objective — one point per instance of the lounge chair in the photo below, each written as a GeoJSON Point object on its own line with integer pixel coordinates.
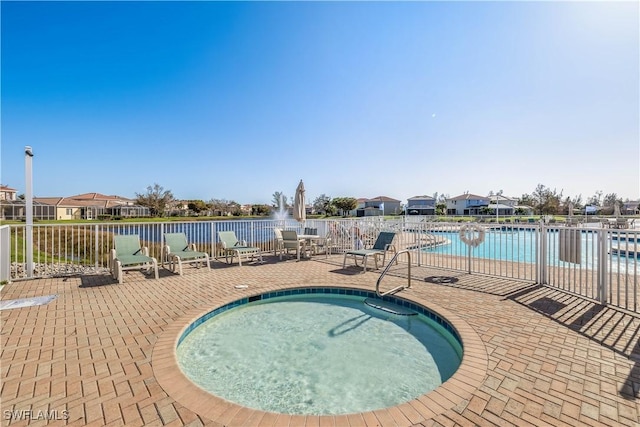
{"type": "Point", "coordinates": [177, 251]}
{"type": "Point", "coordinates": [383, 243]}
{"type": "Point", "coordinates": [129, 255]}
{"type": "Point", "coordinates": [290, 241]}
{"type": "Point", "coordinates": [233, 247]}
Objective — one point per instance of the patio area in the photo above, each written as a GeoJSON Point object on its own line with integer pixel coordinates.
{"type": "Point", "coordinates": [91, 356]}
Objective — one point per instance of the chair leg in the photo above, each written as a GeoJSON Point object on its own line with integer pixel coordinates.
{"type": "Point", "coordinates": [179, 262]}
{"type": "Point", "coordinates": [119, 272]}
{"type": "Point", "coordinates": [155, 267]}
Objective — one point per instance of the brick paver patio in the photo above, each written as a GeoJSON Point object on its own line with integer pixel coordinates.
{"type": "Point", "coordinates": [93, 355]}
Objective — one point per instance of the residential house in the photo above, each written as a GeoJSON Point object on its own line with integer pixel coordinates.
{"type": "Point", "coordinates": [502, 200]}
{"type": "Point", "coordinates": [421, 205]}
{"type": "Point", "coordinates": [523, 210]}
{"type": "Point", "coordinates": [631, 208]}
{"type": "Point", "coordinates": [502, 204]}
{"type": "Point", "coordinates": [16, 210]}
{"type": "Point", "coordinates": [12, 208]}
{"type": "Point", "coordinates": [7, 193]}
{"type": "Point", "coordinates": [380, 205]}
{"type": "Point", "coordinates": [467, 204]}
{"type": "Point", "coordinates": [93, 206]}
{"type": "Point", "coordinates": [360, 205]}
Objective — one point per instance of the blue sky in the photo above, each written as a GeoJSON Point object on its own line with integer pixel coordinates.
{"type": "Point", "coordinates": [237, 100]}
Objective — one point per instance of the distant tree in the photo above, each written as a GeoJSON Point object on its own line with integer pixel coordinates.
{"type": "Point", "coordinates": [575, 201]}
{"type": "Point", "coordinates": [279, 198]}
{"type": "Point", "coordinates": [221, 207]}
{"type": "Point", "coordinates": [234, 208]}
{"type": "Point", "coordinates": [595, 200]}
{"type": "Point", "coordinates": [156, 199]}
{"type": "Point", "coordinates": [344, 204]}
{"type": "Point", "coordinates": [261, 210]}
{"type": "Point", "coordinates": [197, 206]}
{"type": "Point", "coordinates": [609, 201]}
{"type": "Point", "coordinates": [547, 201]}
{"type": "Point", "coordinates": [527, 200]}
{"type": "Point", "coordinates": [322, 204]}
{"type": "Point", "coordinates": [218, 207]}
{"type": "Point", "coordinates": [441, 208]}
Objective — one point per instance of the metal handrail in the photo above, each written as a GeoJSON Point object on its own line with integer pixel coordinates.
{"type": "Point", "coordinates": [387, 269]}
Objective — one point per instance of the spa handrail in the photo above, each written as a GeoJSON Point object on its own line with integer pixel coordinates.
{"type": "Point", "coordinates": [384, 272]}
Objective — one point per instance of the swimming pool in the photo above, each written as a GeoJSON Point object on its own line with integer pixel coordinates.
{"type": "Point", "coordinates": [520, 245]}
{"type": "Point", "coordinates": [318, 351]}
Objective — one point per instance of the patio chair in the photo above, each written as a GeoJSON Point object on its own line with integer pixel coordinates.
{"type": "Point", "coordinates": [277, 244]}
{"type": "Point", "coordinates": [621, 223]}
{"type": "Point", "coordinates": [129, 255]}
{"type": "Point", "coordinates": [290, 241]}
{"type": "Point", "coordinates": [177, 250]}
{"type": "Point", "coordinates": [233, 247]}
{"type": "Point", "coordinates": [383, 243]}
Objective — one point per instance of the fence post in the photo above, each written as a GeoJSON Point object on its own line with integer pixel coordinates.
{"type": "Point", "coordinates": [5, 253]}
{"type": "Point", "coordinates": [602, 265]}
{"type": "Point", "coordinates": [541, 255]}
{"type": "Point", "coordinates": [214, 253]}
{"type": "Point", "coordinates": [96, 246]}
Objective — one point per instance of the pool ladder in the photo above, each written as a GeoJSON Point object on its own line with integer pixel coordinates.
{"type": "Point", "coordinates": [384, 272]}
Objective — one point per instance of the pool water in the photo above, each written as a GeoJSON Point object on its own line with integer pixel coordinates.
{"type": "Point", "coordinates": [318, 355]}
{"type": "Point", "coordinates": [520, 246]}
{"type": "Point", "coordinates": [516, 246]}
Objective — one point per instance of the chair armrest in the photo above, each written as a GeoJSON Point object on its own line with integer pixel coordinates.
{"type": "Point", "coordinates": [145, 250]}
{"type": "Point", "coordinates": [192, 246]}
{"type": "Point", "coordinates": [243, 242]}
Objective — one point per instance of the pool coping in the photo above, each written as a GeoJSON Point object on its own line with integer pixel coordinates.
{"type": "Point", "coordinates": [455, 391]}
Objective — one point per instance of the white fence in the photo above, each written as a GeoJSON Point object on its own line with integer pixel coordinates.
{"type": "Point", "coordinates": [598, 263]}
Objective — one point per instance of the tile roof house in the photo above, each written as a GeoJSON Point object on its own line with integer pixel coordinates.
{"type": "Point", "coordinates": [7, 193]}
{"type": "Point", "coordinates": [380, 205]}
{"type": "Point", "coordinates": [14, 208]}
{"type": "Point", "coordinates": [93, 206]}
{"type": "Point", "coordinates": [421, 205]}
{"type": "Point", "coordinates": [466, 204]}
{"type": "Point", "coordinates": [631, 207]}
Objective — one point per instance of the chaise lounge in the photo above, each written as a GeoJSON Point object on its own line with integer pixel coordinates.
{"type": "Point", "coordinates": [178, 251]}
{"type": "Point", "coordinates": [383, 243]}
{"type": "Point", "coordinates": [233, 247]}
{"type": "Point", "coordinates": [129, 255]}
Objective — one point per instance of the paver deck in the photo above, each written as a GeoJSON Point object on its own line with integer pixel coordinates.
{"type": "Point", "coordinates": [92, 355]}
